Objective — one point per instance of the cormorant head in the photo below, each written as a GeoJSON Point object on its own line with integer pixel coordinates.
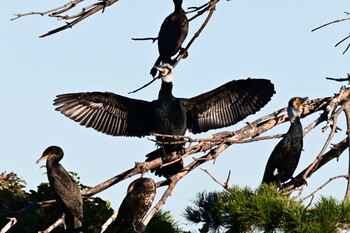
{"type": "Point", "coordinates": [52, 151]}
{"type": "Point", "coordinates": [295, 107]}
{"type": "Point", "coordinates": [165, 72]}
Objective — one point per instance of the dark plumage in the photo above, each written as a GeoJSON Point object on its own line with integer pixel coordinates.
{"type": "Point", "coordinates": [65, 189]}
{"type": "Point", "coordinates": [138, 200]}
{"type": "Point", "coordinates": [121, 116]}
{"type": "Point", "coordinates": [285, 157]}
{"type": "Point", "coordinates": [171, 35]}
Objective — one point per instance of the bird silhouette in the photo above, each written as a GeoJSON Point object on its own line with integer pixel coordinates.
{"type": "Point", "coordinates": [138, 200]}
{"type": "Point", "coordinates": [65, 189]}
{"type": "Point", "coordinates": [171, 35]}
{"type": "Point", "coordinates": [285, 156]}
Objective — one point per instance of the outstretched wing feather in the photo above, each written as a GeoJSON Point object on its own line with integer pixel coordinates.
{"type": "Point", "coordinates": [107, 112]}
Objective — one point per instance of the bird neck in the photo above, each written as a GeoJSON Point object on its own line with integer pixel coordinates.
{"type": "Point", "coordinates": [294, 115]}
{"type": "Point", "coordinates": [178, 5]}
{"type": "Point", "coordinates": [53, 161]}
{"type": "Point", "coordinates": [166, 91]}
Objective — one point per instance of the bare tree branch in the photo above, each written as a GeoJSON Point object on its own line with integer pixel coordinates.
{"type": "Point", "coordinates": [347, 115]}
{"type": "Point", "coordinates": [340, 79]}
{"type": "Point", "coordinates": [323, 185]}
{"type": "Point", "coordinates": [224, 185]}
{"type": "Point", "coordinates": [109, 221]}
{"type": "Point", "coordinates": [329, 23]}
{"type": "Point", "coordinates": [83, 14]}
{"type": "Point", "coordinates": [333, 22]}
{"type": "Point", "coordinates": [56, 224]}
{"type": "Point", "coordinates": [8, 226]}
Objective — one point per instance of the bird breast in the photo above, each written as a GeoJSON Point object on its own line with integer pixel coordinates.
{"type": "Point", "coordinates": [170, 118]}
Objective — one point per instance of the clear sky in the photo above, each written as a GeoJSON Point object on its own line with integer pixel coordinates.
{"type": "Point", "coordinates": [269, 39]}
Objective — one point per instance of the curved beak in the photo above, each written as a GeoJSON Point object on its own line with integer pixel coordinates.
{"type": "Point", "coordinates": [42, 158]}
{"type": "Point", "coordinates": [301, 101]}
{"type": "Point", "coordinates": [161, 70]}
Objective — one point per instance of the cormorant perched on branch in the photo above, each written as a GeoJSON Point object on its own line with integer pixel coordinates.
{"type": "Point", "coordinates": [65, 189]}
{"type": "Point", "coordinates": [121, 116]}
{"type": "Point", "coordinates": [171, 35]}
{"type": "Point", "coordinates": [138, 200]}
{"type": "Point", "coordinates": [285, 157]}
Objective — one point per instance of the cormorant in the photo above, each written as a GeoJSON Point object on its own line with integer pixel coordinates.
{"type": "Point", "coordinates": [171, 35]}
{"type": "Point", "coordinates": [122, 116]}
{"type": "Point", "coordinates": [285, 157]}
{"type": "Point", "coordinates": [65, 189]}
{"type": "Point", "coordinates": [138, 200]}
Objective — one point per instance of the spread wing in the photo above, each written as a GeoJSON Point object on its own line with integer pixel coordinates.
{"type": "Point", "coordinates": [227, 104]}
{"type": "Point", "coordinates": [107, 112]}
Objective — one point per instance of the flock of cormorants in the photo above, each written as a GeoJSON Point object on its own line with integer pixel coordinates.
{"type": "Point", "coordinates": [118, 115]}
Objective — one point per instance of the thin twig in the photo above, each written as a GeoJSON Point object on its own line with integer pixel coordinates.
{"type": "Point", "coordinates": [147, 84]}
{"type": "Point", "coordinates": [323, 185]}
{"type": "Point", "coordinates": [224, 185]}
{"type": "Point", "coordinates": [55, 11]}
{"type": "Point", "coordinates": [326, 24]}
{"type": "Point", "coordinates": [153, 39]}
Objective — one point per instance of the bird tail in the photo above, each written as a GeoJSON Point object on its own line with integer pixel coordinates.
{"type": "Point", "coordinates": [78, 226]}
{"type": "Point", "coordinates": [73, 224]}
{"type": "Point", "coordinates": [166, 154]}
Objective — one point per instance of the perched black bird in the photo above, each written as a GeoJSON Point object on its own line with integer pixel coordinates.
{"type": "Point", "coordinates": [285, 157]}
{"type": "Point", "coordinates": [65, 189]}
{"type": "Point", "coordinates": [121, 116]}
{"type": "Point", "coordinates": [171, 35]}
{"type": "Point", "coordinates": [138, 200]}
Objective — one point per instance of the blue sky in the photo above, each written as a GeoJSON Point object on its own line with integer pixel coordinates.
{"type": "Point", "coordinates": [268, 39]}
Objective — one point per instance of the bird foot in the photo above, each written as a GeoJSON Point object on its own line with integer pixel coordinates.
{"type": "Point", "coordinates": [299, 181]}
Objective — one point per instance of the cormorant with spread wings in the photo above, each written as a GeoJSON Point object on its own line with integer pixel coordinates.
{"type": "Point", "coordinates": [117, 115]}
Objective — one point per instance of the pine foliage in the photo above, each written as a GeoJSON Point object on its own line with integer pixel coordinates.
{"type": "Point", "coordinates": [266, 210]}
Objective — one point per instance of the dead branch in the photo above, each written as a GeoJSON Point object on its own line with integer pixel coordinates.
{"type": "Point", "coordinates": [340, 79]}
{"type": "Point", "coordinates": [15, 216]}
{"type": "Point", "coordinates": [56, 224]}
{"type": "Point", "coordinates": [153, 39]}
{"type": "Point", "coordinates": [341, 41]}
{"type": "Point", "coordinates": [329, 23]}
{"type": "Point", "coordinates": [140, 168]}
{"type": "Point", "coordinates": [333, 22]}
{"type": "Point", "coordinates": [224, 185]}
{"type": "Point", "coordinates": [347, 115]}
{"type": "Point", "coordinates": [55, 11]}
{"type": "Point", "coordinates": [109, 221]}
{"type": "Point", "coordinates": [323, 185]}
{"type": "Point", "coordinates": [83, 14]}
{"type": "Point", "coordinates": [8, 226]}
{"type": "Point", "coordinates": [325, 146]}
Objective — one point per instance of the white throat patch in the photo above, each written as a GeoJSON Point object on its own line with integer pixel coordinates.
{"type": "Point", "coordinates": [169, 78]}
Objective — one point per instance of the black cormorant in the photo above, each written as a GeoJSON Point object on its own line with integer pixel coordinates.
{"type": "Point", "coordinates": [285, 157]}
{"type": "Point", "coordinates": [65, 189]}
{"type": "Point", "coordinates": [122, 116]}
{"type": "Point", "coordinates": [138, 200]}
{"type": "Point", "coordinates": [171, 35]}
